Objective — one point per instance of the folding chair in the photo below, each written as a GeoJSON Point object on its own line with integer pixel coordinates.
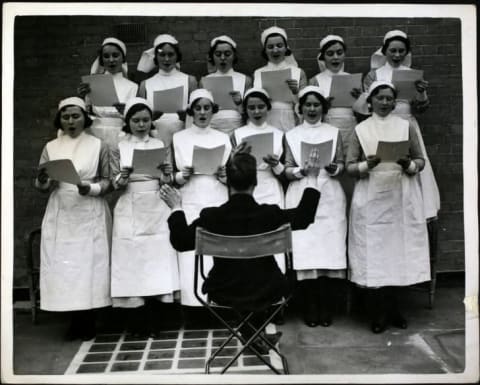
{"type": "Point", "coordinates": [32, 256]}
{"type": "Point", "coordinates": [243, 247]}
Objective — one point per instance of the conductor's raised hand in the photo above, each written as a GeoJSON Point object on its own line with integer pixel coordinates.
{"type": "Point", "coordinates": [293, 85]}
{"type": "Point", "coordinates": [187, 172]}
{"type": "Point", "coordinates": [372, 161]}
{"type": "Point", "coordinates": [83, 89]}
{"type": "Point", "coordinates": [170, 196]}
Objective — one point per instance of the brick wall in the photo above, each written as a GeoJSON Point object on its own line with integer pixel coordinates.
{"type": "Point", "coordinates": [51, 53]}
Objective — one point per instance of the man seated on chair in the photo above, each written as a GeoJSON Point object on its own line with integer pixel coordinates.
{"type": "Point", "coordinates": [246, 285]}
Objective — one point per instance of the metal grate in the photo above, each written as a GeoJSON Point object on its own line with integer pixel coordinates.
{"type": "Point", "coordinates": [131, 32]}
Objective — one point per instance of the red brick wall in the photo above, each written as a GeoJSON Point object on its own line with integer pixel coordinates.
{"type": "Point", "coordinates": [51, 53]}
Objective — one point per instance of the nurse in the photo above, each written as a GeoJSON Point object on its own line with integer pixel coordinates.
{"type": "Point", "coordinates": [319, 253]}
{"type": "Point", "coordinates": [269, 190]}
{"type": "Point", "coordinates": [223, 55]}
{"type": "Point", "coordinates": [144, 264]}
{"type": "Point", "coordinates": [75, 249]}
{"type": "Point", "coordinates": [279, 57]}
{"type": "Point", "coordinates": [387, 242]}
{"type": "Point", "coordinates": [165, 55]}
{"type": "Point", "coordinates": [198, 190]}
{"type": "Point", "coordinates": [108, 122]}
{"type": "Point", "coordinates": [395, 54]}
{"type": "Point", "coordinates": [332, 62]}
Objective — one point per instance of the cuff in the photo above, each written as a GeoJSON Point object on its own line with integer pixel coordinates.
{"type": "Point", "coordinates": [297, 173]}
{"type": "Point", "coordinates": [179, 178]}
{"type": "Point", "coordinates": [278, 169]}
{"type": "Point", "coordinates": [363, 167]}
{"type": "Point", "coordinates": [95, 189]}
{"type": "Point", "coordinates": [176, 208]}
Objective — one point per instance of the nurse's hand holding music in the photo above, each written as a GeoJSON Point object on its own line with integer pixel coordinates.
{"type": "Point", "coordinates": [372, 161]}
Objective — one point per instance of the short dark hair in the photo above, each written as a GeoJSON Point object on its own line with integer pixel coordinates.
{"type": "Point", "coordinates": [303, 99]}
{"type": "Point", "coordinates": [256, 94]}
{"type": "Point", "coordinates": [58, 125]}
{"type": "Point", "coordinates": [132, 111]}
{"type": "Point", "coordinates": [288, 52]}
{"type": "Point", "coordinates": [378, 89]}
{"type": "Point", "coordinates": [174, 46]}
{"type": "Point", "coordinates": [100, 53]}
{"type": "Point", "coordinates": [212, 50]}
{"type": "Point", "coordinates": [328, 45]}
{"type": "Point", "coordinates": [215, 107]}
{"type": "Point", "coordinates": [406, 41]}
{"type": "Point", "coordinates": [242, 171]}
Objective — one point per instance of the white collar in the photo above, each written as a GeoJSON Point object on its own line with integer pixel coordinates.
{"type": "Point", "coordinates": [230, 72]}
{"type": "Point", "coordinates": [117, 75]}
{"type": "Point", "coordinates": [278, 66]}
{"type": "Point", "coordinates": [253, 125]}
{"type": "Point", "coordinates": [200, 130]}
{"type": "Point", "coordinates": [310, 125]}
{"type": "Point", "coordinates": [165, 73]}
{"type": "Point", "coordinates": [379, 118]}
{"type": "Point", "coordinates": [136, 139]}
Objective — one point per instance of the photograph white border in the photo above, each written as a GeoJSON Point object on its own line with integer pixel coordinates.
{"type": "Point", "coordinates": [467, 14]}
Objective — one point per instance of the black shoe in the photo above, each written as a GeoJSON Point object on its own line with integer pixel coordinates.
{"type": "Point", "coordinates": [398, 321]}
{"type": "Point", "coordinates": [379, 326]}
{"type": "Point", "coordinates": [325, 320]}
{"type": "Point", "coordinates": [311, 316]}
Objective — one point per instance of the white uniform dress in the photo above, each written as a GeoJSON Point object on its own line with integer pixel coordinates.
{"type": "Point", "coordinates": [269, 189]}
{"type": "Point", "coordinates": [228, 120]}
{"type": "Point", "coordinates": [169, 123]}
{"type": "Point", "coordinates": [199, 192]}
{"type": "Point", "coordinates": [387, 242]}
{"type": "Point", "coordinates": [75, 240]}
{"type": "Point", "coordinates": [108, 122]}
{"type": "Point", "coordinates": [282, 114]}
{"type": "Point", "coordinates": [319, 250]}
{"type": "Point", "coordinates": [340, 117]}
{"type": "Point", "coordinates": [403, 108]}
{"type": "Point", "coordinates": [143, 261]}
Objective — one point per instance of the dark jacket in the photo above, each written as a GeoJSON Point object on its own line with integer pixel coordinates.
{"type": "Point", "coordinates": [244, 284]}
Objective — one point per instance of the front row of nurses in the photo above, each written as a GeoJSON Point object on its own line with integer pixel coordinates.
{"type": "Point", "coordinates": [387, 245]}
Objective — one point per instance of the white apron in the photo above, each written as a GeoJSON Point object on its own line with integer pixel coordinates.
{"type": "Point", "coordinates": [168, 123]}
{"type": "Point", "coordinates": [108, 122]}
{"type": "Point", "coordinates": [388, 242]}
{"type": "Point", "coordinates": [199, 192]}
{"type": "Point", "coordinates": [428, 183]}
{"type": "Point", "coordinates": [269, 189]}
{"type": "Point", "coordinates": [74, 256]}
{"type": "Point", "coordinates": [323, 244]}
{"type": "Point", "coordinates": [228, 120]}
{"type": "Point", "coordinates": [143, 261]}
{"type": "Point", "coordinates": [282, 114]}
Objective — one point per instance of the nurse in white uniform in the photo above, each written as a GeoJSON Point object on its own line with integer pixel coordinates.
{"type": "Point", "coordinates": [269, 189]}
{"type": "Point", "coordinates": [166, 55]}
{"type": "Point", "coordinates": [395, 54]}
{"type": "Point", "coordinates": [144, 264]}
{"type": "Point", "coordinates": [280, 57]}
{"type": "Point", "coordinates": [76, 227]}
{"type": "Point", "coordinates": [107, 123]}
{"type": "Point", "coordinates": [198, 190]}
{"type": "Point", "coordinates": [222, 56]}
{"type": "Point", "coordinates": [387, 242]}
{"type": "Point", "coordinates": [319, 253]}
